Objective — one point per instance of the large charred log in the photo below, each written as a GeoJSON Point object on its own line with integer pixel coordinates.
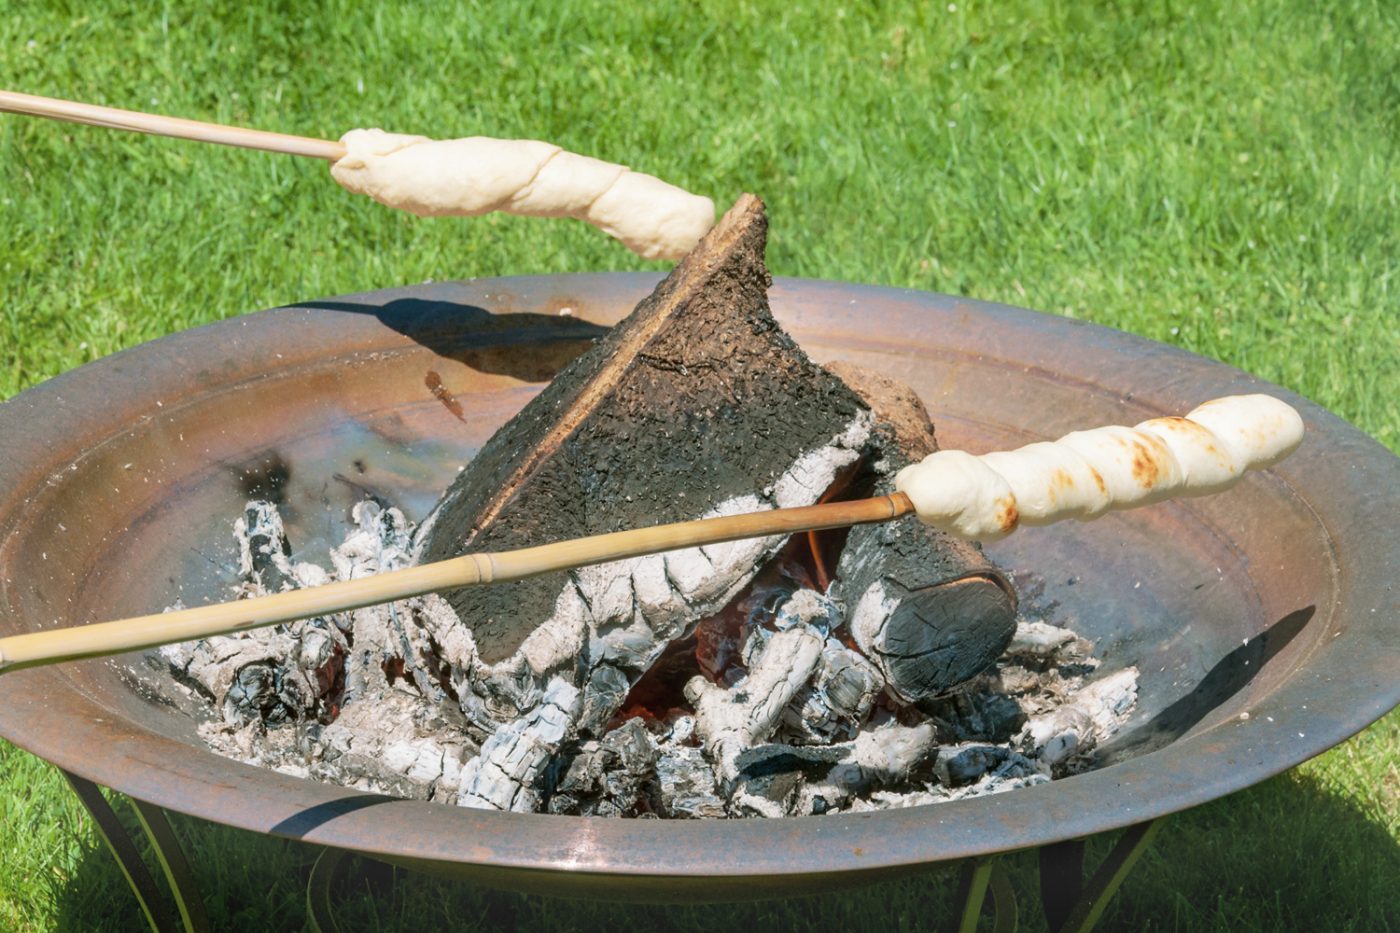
{"type": "Point", "coordinates": [696, 400]}
{"type": "Point", "coordinates": [697, 404]}
{"type": "Point", "coordinates": [930, 610]}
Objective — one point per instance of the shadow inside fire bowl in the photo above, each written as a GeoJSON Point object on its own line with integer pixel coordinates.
{"type": "Point", "coordinates": [531, 347]}
{"type": "Point", "coordinates": [1231, 674]}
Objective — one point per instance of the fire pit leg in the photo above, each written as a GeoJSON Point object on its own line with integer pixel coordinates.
{"type": "Point", "coordinates": [172, 861]}
{"type": "Point", "coordinates": [119, 843]}
{"type": "Point", "coordinates": [977, 876]}
{"type": "Point", "coordinates": [1071, 906]}
{"type": "Point", "coordinates": [318, 891]}
{"type": "Point", "coordinates": [1061, 880]}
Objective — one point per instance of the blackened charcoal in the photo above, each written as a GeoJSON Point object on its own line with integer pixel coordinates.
{"type": "Point", "coordinates": [615, 776]}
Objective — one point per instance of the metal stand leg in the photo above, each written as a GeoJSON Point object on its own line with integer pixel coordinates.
{"type": "Point", "coordinates": [1061, 878]}
{"type": "Point", "coordinates": [114, 834]}
{"type": "Point", "coordinates": [1003, 902]}
{"type": "Point", "coordinates": [318, 891]}
{"type": "Point", "coordinates": [168, 852]}
{"type": "Point", "coordinates": [972, 890]}
{"type": "Point", "coordinates": [173, 863]}
{"type": "Point", "coordinates": [1071, 906]}
{"type": "Point", "coordinates": [978, 876]}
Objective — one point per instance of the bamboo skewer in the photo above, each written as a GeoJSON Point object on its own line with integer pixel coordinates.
{"type": "Point", "coordinates": [151, 631]}
{"type": "Point", "coordinates": [1207, 451]}
{"type": "Point", "coordinates": [157, 125]}
{"type": "Point", "coordinates": [452, 177]}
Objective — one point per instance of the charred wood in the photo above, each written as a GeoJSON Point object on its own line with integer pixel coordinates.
{"type": "Point", "coordinates": [612, 776]}
{"type": "Point", "coordinates": [697, 404]}
{"type": "Point", "coordinates": [777, 780]}
{"type": "Point", "coordinates": [930, 611]}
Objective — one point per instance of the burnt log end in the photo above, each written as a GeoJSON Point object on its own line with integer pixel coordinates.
{"type": "Point", "coordinates": [932, 611]}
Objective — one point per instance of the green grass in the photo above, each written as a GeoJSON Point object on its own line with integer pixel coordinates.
{"type": "Point", "coordinates": [1220, 176]}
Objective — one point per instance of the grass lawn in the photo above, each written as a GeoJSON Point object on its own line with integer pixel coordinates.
{"type": "Point", "coordinates": [1217, 175]}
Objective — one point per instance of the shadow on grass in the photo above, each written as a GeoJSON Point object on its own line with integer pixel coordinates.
{"type": "Point", "coordinates": [1285, 854]}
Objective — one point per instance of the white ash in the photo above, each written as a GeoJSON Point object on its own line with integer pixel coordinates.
{"type": "Point", "coordinates": [274, 675]}
{"type": "Point", "coordinates": [685, 784]}
{"type": "Point", "coordinates": [870, 613]}
{"type": "Point", "coordinates": [1061, 710]}
{"type": "Point", "coordinates": [835, 702]}
{"type": "Point", "coordinates": [356, 698]}
{"type": "Point", "coordinates": [507, 773]}
{"type": "Point", "coordinates": [395, 699]}
{"type": "Point", "coordinates": [611, 622]}
{"type": "Point", "coordinates": [836, 688]}
{"type": "Point", "coordinates": [1088, 716]}
{"type": "Point", "coordinates": [1041, 641]}
{"type": "Point", "coordinates": [780, 780]}
{"type": "Point", "coordinates": [732, 720]}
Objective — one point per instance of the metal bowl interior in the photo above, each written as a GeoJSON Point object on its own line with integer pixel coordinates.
{"type": "Point", "coordinates": [118, 483]}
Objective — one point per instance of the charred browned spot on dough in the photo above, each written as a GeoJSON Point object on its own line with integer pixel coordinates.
{"type": "Point", "coordinates": [1178, 423]}
{"type": "Point", "coordinates": [434, 383]}
{"type": "Point", "coordinates": [1060, 480]}
{"type": "Point", "coordinates": [1211, 449]}
{"type": "Point", "coordinates": [1098, 479]}
{"type": "Point", "coordinates": [1147, 466]}
{"type": "Point", "coordinates": [1007, 514]}
{"type": "Point", "coordinates": [1203, 436]}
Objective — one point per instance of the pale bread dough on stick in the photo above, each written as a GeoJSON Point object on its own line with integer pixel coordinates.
{"type": "Point", "coordinates": [477, 175]}
{"type": "Point", "coordinates": [1086, 473]}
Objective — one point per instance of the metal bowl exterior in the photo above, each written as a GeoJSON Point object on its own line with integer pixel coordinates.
{"type": "Point", "coordinates": [1276, 599]}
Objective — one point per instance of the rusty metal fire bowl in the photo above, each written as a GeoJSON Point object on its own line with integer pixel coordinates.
{"type": "Point", "coordinates": [1263, 620]}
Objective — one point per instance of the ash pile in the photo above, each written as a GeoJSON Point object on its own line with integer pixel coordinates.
{"type": "Point", "coordinates": [882, 666]}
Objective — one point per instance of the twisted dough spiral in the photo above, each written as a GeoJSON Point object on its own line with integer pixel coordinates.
{"type": "Point", "coordinates": [1086, 473]}
{"type": "Point", "coordinates": [477, 175]}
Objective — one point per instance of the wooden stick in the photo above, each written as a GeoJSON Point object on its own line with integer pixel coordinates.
{"type": "Point", "coordinates": [155, 124]}
{"type": "Point", "coordinates": [1207, 451]}
{"type": "Point", "coordinates": [142, 632]}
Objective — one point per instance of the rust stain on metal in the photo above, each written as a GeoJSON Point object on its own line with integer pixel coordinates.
{"type": "Point", "coordinates": [434, 383]}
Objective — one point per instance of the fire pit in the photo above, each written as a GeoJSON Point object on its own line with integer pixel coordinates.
{"type": "Point", "coordinates": [1262, 621]}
